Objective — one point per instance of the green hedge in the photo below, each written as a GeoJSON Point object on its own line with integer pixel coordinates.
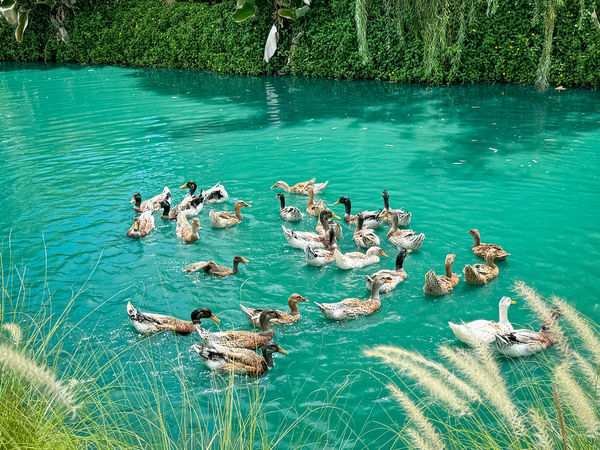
{"type": "Point", "coordinates": [503, 47]}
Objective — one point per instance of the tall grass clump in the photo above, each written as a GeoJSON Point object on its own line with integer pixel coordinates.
{"type": "Point", "coordinates": [507, 404]}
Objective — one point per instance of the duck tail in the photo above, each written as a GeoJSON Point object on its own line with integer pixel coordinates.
{"type": "Point", "coordinates": [321, 307]}
{"type": "Point", "coordinates": [201, 350]}
{"type": "Point", "coordinates": [310, 252]}
{"type": "Point", "coordinates": [433, 286]}
{"type": "Point", "coordinates": [131, 311]}
{"type": "Point", "coordinates": [249, 311]}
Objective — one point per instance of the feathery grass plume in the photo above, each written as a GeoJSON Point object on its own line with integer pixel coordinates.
{"type": "Point", "coordinates": [418, 441]}
{"type": "Point", "coordinates": [576, 398]}
{"type": "Point", "coordinates": [581, 326]}
{"type": "Point", "coordinates": [15, 332]}
{"type": "Point", "coordinates": [490, 385]}
{"type": "Point", "coordinates": [561, 416]}
{"type": "Point", "coordinates": [464, 388]}
{"type": "Point", "coordinates": [428, 432]}
{"type": "Point", "coordinates": [38, 375]}
{"type": "Point", "coordinates": [586, 369]}
{"type": "Point", "coordinates": [540, 426]}
{"type": "Point", "coordinates": [360, 16]}
{"type": "Point", "coordinates": [544, 312]}
{"type": "Point", "coordinates": [425, 379]}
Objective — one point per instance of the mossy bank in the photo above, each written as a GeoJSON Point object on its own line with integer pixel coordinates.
{"type": "Point", "coordinates": [470, 41]}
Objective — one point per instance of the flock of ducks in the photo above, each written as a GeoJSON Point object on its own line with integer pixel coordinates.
{"type": "Point", "coordinates": [235, 350]}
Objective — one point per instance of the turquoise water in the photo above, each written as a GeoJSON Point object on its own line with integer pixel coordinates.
{"type": "Point", "coordinates": [77, 142]}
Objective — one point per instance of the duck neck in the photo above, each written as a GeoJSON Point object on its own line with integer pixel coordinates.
{"type": "Point", "coordinates": [489, 260]}
{"type": "Point", "coordinates": [283, 185]}
{"type": "Point", "coordinates": [503, 316]}
{"type": "Point", "coordinates": [238, 211]}
{"type": "Point", "coordinates": [394, 225]}
{"type": "Point", "coordinates": [449, 268]}
{"type": "Point", "coordinates": [282, 201]}
{"type": "Point", "coordinates": [375, 292]}
{"type": "Point", "coordinates": [386, 203]}
{"type": "Point", "coordinates": [138, 202]}
{"type": "Point", "coordinates": [166, 209]}
{"type": "Point", "coordinates": [294, 311]}
{"type": "Point", "coordinates": [265, 324]}
{"type": "Point", "coordinates": [476, 238]}
{"type": "Point", "coordinates": [348, 207]}
{"type": "Point", "coordinates": [236, 263]}
{"type": "Point", "coordinates": [359, 223]}
{"type": "Point", "coordinates": [311, 197]}
{"type": "Point", "coordinates": [268, 355]}
{"type": "Point", "coordinates": [400, 261]}
{"type": "Point", "coordinates": [195, 227]}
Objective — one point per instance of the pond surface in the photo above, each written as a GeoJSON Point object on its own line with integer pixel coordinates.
{"type": "Point", "coordinates": [77, 142]}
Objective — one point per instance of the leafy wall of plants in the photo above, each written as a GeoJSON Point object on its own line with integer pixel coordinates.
{"type": "Point", "coordinates": [438, 41]}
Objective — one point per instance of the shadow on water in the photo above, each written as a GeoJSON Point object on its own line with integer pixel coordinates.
{"type": "Point", "coordinates": [510, 116]}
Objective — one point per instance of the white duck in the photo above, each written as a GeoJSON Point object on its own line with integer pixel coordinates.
{"type": "Point", "coordinates": [484, 331]}
{"type": "Point", "coordinates": [289, 213]}
{"type": "Point", "coordinates": [356, 260]}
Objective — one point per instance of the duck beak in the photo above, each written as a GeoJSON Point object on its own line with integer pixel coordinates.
{"type": "Point", "coordinates": [335, 216]}
{"type": "Point", "coordinates": [274, 186]}
{"type": "Point", "coordinates": [337, 203]}
{"type": "Point", "coordinates": [409, 250]}
{"type": "Point", "coordinates": [214, 318]}
{"type": "Point", "coordinates": [199, 228]}
{"type": "Point", "coordinates": [513, 302]}
{"type": "Point", "coordinates": [280, 350]}
{"type": "Point", "coordinates": [453, 255]}
{"type": "Point", "coordinates": [388, 281]}
{"type": "Point", "coordinates": [383, 253]}
{"type": "Point", "coordinates": [383, 214]}
{"type": "Point", "coordinates": [245, 261]}
{"type": "Point", "coordinates": [185, 186]}
{"type": "Point", "coordinates": [132, 200]}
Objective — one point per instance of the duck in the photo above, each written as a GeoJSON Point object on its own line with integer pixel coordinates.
{"type": "Point", "coordinates": [216, 194]}
{"type": "Point", "coordinates": [523, 342]}
{"type": "Point", "coordinates": [301, 188]}
{"type": "Point", "coordinates": [484, 331]}
{"type": "Point", "coordinates": [238, 360]}
{"type": "Point", "coordinates": [140, 205]}
{"type": "Point", "coordinates": [317, 256]}
{"type": "Point", "coordinates": [312, 207]}
{"type": "Point", "coordinates": [403, 216]}
{"type": "Point", "coordinates": [481, 273]}
{"type": "Point", "coordinates": [404, 238]}
{"type": "Point", "coordinates": [142, 224]}
{"type": "Point", "coordinates": [481, 249]}
{"type": "Point", "coordinates": [223, 219]}
{"type": "Point", "coordinates": [241, 338]}
{"type": "Point", "coordinates": [364, 237]}
{"type": "Point", "coordinates": [300, 239]}
{"type": "Point", "coordinates": [212, 268]}
{"type": "Point", "coordinates": [373, 219]}
{"type": "Point", "coordinates": [441, 284]}
{"type": "Point", "coordinates": [398, 275]}
{"type": "Point", "coordinates": [188, 233]}
{"type": "Point", "coordinates": [324, 225]}
{"type": "Point", "coordinates": [356, 260]}
{"type": "Point", "coordinates": [350, 308]}
{"type": "Point", "coordinates": [289, 213]}
{"type": "Point", "coordinates": [191, 204]}
{"type": "Point", "coordinates": [293, 316]}
{"type": "Point", "coordinates": [165, 205]}
{"type": "Point", "coordinates": [152, 323]}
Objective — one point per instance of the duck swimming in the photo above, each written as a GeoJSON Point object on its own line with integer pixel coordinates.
{"type": "Point", "coordinates": [404, 238]}
{"type": "Point", "coordinates": [312, 207]}
{"type": "Point", "coordinates": [212, 268]}
{"type": "Point", "coordinates": [323, 225]}
{"type": "Point", "coordinates": [317, 256]}
{"type": "Point", "coordinates": [301, 188]}
{"type": "Point", "coordinates": [238, 360]}
{"type": "Point", "coordinates": [356, 260]}
{"type": "Point", "coordinates": [152, 323]}
{"type": "Point", "coordinates": [289, 213]}
{"type": "Point", "coordinates": [223, 219]}
{"type": "Point", "coordinates": [364, 237]}
{"type": "Point", "coordinates": [403, 216]}
{"type": "Point", "coordinates": [143, 224]}
{"type": "Point", "coordinates": [188, 233]}
{"type": "Point", "coordinates": [140, 206]}
{"type": "Point", "coordinates": [522, 342]}
{"type": "Point", "coordinates": [398, 275]}
{"type": "Point", "coordinates": [241, 338]}
{"type": "Point", "coordinates": [293, 316]}
{"type": "Point", "coordinates": [372, 219]}
{"type": "Point", "coordinates": [481, 273]}
{"type": "Point", "coordinates": [481, 249]}
{"type": "Point", "coordinates": [350, 308]}
{"type": "Point", "coordinates": [441, 284]}
{"type": "Point", "coordinates": [484, 331]}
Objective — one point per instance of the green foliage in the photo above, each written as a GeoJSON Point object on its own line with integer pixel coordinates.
{"type": "Point", "coordinates": [464, 44]}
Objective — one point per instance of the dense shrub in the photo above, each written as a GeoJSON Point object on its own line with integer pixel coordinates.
{"type": "Point", "coordinates": [505, 46]}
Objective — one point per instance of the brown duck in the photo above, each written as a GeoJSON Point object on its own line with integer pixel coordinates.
{"type": "Point", "coordinates": [481, 249]}
{"type": "Point", "coordinates": [212, 268]}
